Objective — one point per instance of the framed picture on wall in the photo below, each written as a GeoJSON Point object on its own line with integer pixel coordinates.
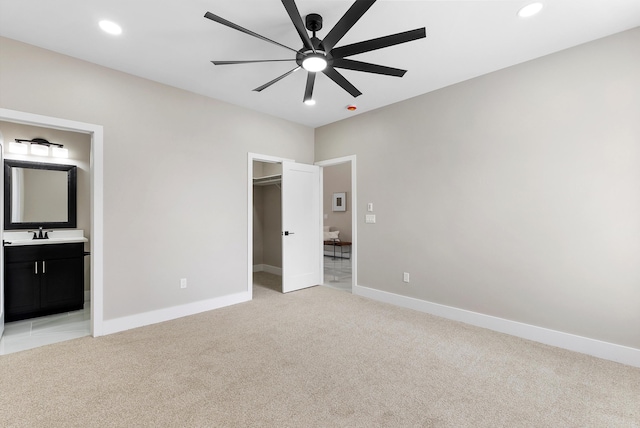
{"type": "Point", "coordinates": [340, 201]}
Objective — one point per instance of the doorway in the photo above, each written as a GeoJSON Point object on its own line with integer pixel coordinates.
{"type": "Point", "coordinates": [299, 230]}
{"type": "Point", "coordinates": [339, 256]}
{"type": "Point", "coordinates": [267, 224]}
{"type": "Point", "coordinates": [44, 189]}
{"type": "Point", "coordinates": [95, 181]}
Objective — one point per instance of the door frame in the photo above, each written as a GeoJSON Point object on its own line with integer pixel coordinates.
{"type": "Point", "coordinates": [251, 157]}
{"type": "Point", "coordinates": [354, 213]}
{"type": "Point", "coordinates": [2, 316]}
{"type": "Point", "coordinates": [96, 199]}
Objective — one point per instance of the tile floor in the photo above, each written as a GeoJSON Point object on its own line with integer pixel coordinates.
{"type": "Point", "coordinates": [35, 332]}
{"type": "Point", "coordinates": [337, 273]}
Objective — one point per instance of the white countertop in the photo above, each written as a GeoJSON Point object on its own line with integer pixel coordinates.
{"type": "Point", "coordinates": [63, 236]}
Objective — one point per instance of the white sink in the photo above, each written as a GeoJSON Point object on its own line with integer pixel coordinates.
{"type": "Point", "coordinates": [17, 238]}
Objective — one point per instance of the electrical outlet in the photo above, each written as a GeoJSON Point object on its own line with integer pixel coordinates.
{"type": "Point", "coordinates": [405, 277]}
{"type": "Point", "coordinates": [370, 218]}
{"type": "Point", "coordinates": [183, 283]}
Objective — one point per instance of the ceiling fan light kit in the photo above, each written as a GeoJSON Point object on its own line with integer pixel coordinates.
{"type": "Point", "coordinates": [314, 62]}
{"type": "Point", "coordinates": [321, 56]}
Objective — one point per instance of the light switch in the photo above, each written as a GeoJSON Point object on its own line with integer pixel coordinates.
{"type": "Point", "coordinates": [370, 207]}
{"type": "Point", "coordinates": [370, 218]}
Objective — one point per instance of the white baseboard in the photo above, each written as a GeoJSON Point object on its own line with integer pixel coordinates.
{"type": "Point", "coordinates": [268, 268]}
{"type": "Point", "coordinates": [597, 348]}
{"type": "Point", "coordinates": [167, 314]}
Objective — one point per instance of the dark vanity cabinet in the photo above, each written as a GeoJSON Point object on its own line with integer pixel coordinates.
{"type": "Point", "coordinates": [43, 280]}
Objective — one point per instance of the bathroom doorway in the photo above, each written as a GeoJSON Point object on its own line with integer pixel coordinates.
{"type": "Point", "coordinates": [84, 142]}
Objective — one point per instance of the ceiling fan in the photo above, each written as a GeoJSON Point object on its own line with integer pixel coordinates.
{"type": "Point", "coordinates": [321, 55]}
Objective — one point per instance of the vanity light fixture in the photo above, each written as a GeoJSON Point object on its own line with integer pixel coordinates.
{"type": "Point", "coordinates": [39, 147]}
{"type": "Point", "coordinates": [59, 152]}
{"type": "Point", "coordinates": [18, 147]}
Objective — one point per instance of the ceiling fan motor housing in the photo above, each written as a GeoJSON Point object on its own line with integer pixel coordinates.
{"type": "Point", "coordinates": [313, 22]}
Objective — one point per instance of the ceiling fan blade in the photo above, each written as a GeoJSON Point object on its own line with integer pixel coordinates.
{"type": "Point", "coordinates": [294, 14]}
{"type": "Point", "coordinates": [347, 21]}
{"type": "Point", "coordinates": [308, 92]}
{"type": "Point", "coordinates": [367, 67]}
{"type": "Point", "coordinates": [230, 24]}
{"type": "Point", "coordinates": [277, 79]}
{"type": "Point", "coordinates": [379, 43]}
{"type": "Point", "coordinates": [333, 74]}
{"type": "Point", "coordinates": [249, 62]}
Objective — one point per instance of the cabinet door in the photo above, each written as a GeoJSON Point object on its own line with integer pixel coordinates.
{"type": "Point", "coordinates": [22, 290]}
{"type": "Point", "coordinates": [62, 284]}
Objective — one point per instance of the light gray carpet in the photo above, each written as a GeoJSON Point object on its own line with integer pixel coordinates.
{"type": "Point", "coordinates": [313, 358]}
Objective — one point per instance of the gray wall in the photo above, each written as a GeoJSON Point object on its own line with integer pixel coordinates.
{"type": "Point", "coordinates": [267, 217]}
{"type": "Point", "coordinates": [258, 171]}
{"type": "Point", "coordinates": [258, 227]}
{"type": "Point", "coordinates": [272, 226]}
{"type": "Point", "coordinates": [515, 194]}
{"type": "Point", "coordinates": [337, 178]}
{"type": "Point", "coordinates": [175, 174]}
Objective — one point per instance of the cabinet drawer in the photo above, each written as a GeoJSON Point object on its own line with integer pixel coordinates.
{"type": "Point", "coordinates": [43, 252]}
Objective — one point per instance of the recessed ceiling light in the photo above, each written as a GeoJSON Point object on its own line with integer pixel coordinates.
{"type": "Point", "coordinates": [110, 27]}
{"type": "Point", "coordinates": [530, 10]}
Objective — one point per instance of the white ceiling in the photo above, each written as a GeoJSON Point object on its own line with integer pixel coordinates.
{"type": "Point", "coordinates": [171, 42]}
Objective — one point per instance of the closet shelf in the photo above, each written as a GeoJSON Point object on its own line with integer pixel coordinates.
{"type": "Point", "coordinates": [267, 180]}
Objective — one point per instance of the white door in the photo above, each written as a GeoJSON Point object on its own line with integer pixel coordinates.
{"type": "Point", "coordinates": [1, 246]}
{"type": "Point", "coordinates": [301, 228]}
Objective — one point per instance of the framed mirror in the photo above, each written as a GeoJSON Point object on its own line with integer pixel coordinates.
{"type": "Point", "coordinates": [39, 194]}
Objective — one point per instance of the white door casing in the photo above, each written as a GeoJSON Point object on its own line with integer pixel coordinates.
{"type": "Point", "coordinates": [1, 246]}
{"type": "Point", "coordinates": [97, 205]}
{"type": "Point", "coordinates": [301, 227]}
